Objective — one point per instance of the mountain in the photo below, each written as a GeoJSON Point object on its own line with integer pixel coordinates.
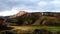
{"type": "Point", "coordinates": [20, 13]}
{"type": "Point", "coordinates": [34, 18]}
{"type": "Point", "coordinates": [24, 17]}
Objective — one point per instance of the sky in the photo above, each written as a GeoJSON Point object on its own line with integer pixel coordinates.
{"type": "Point", "coordinates": [10, 7]}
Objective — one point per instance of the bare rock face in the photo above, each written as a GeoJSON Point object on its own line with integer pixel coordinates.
{"type": "Point", "coordinates": [21, 13]}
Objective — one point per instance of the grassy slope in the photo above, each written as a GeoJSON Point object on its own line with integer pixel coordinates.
{"type": "Point", "coordinates": [49, 28]}
{"type": "Point", "coordinates": [37, 22]}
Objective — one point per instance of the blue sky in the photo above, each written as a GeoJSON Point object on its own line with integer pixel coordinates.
{"type": "Point", "coordinates": [10, 7]}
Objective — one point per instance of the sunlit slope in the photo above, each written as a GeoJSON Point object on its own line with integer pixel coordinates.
{"type": "Point", "coordinates": [30, 19]}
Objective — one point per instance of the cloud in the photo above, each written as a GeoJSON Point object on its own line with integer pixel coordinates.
{"type": "Point", "coordinates": [9, 4]}
{"type": "Point", "coordinates": [52, 5]}
{"type": "Point", "coordinates": [55, 2]}
{"type": "Point", "coordinates": [7, 13]}
{"type": "Point", "coordinates": [41, 5]}
{"type": "Point", "coordinates": [29, 5]}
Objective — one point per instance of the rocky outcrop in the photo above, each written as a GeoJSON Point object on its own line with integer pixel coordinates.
{"type": "Point", "coordinates": [52, 14]}
{"type": "Point", "coordinates": [21, 13]}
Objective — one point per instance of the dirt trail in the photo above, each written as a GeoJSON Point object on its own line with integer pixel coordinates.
{"type": "Point", "coordinates": [20, 27]}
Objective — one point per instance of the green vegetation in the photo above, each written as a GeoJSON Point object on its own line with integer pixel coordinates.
{"type": "Point", "coordinates": [30, 22]}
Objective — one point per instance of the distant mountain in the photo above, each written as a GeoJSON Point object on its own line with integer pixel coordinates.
{"type": "Point", "coordinates": [26, 18]}
{"type": "Point", "coordinates": [34, 18]}
{"type": "Point", "coordinates": [53, 14]}
{"type": "Point", "coordinates": [21, 13]}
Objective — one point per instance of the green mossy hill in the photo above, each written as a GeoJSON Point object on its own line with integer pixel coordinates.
{"type": "Point", "coordinates": [36, 19]}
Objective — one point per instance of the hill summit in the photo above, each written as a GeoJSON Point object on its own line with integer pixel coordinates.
{"type": "Point", "coordinates": [21, 13]}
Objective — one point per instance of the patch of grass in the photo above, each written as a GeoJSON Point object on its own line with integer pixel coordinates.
{"type": "Point", "coordinates": [49, 28]}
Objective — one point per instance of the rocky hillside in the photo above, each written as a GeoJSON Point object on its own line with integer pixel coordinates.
{"type": "Point", "coordinates": [21, 13]}
{"type": "Point", "coordinates": [36, 18]}
{"type": "Point", "coordinates": [31, 23]}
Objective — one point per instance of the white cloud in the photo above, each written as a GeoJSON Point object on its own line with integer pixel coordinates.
{"type": "Point", "coordinates": [29, 11]}
{"type": "Point", "coordinates": [32, 1]}
{"type": "Point", "coordinates": [9, 6]}
{"type": "Point", "coordinates": [55, 11]}
{"type": "Point", "coordinates": [55, 2]}
{"type": "Point", "coordinates": [11, 12]}
{"type": "Point", "coordinates": [42, 3]}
